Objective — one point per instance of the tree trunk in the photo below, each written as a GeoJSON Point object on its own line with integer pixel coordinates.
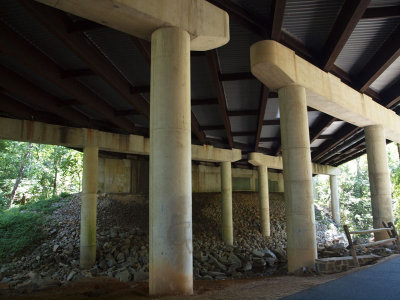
{"type": "Point", "coordinates": [56, 162]}
{"type": "Point", "coordinates": [55, 181]}
{"type": "Point", "coordinates": [79, 182]}
{"type": "Point", "coordinates": [398, 150]}
{"type": "Point", "coordinates": [359, 175]}
{"type": "Point", "coordinates": [20, 174]}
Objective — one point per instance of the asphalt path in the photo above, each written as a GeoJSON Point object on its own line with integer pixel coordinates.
{"type": "Point", "coordinates": [381, 281]}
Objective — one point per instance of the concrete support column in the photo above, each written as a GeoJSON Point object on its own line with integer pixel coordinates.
{"type": "Point", "coordinates": [89, 207]}
{"type": "Point", "coordinates": [281, 185]}
{"type": "Point", "coordinates": [171, 252]}
{"type": "Point", "coordinates": [264, 200]}
{"type": "Point", "coordinates": [226, 190]}
{"type": "Point", "coordinates": [334, 199]}
{"type": "Point", "coordinates": [379, 178]}
{"type": "Point", "coordinates": [301, 248]}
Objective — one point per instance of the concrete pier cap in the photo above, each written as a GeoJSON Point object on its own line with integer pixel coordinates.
{"type": "Point", "coordinates": [276, 162]}
{"type": "Point", "coordinates": [207, 25]}
{"type": "Point", "coordinates": [278, 66]}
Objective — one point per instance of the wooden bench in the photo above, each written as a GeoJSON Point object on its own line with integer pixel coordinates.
{"type": "Point", "coordinates": [389, 228]}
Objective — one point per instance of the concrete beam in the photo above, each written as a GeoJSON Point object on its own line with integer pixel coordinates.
{"type": "Point", "coordinates": [38, 132]}
{"type": "Point", "coordinates": [209, 153]}
{"type": "Point", "coordinates": [277, 66]}
{"type": "Point", "coordinates": [325, 169]}
{"type": "Point", "coordinates": [275, 162]}
{"type": "Point", "coordinates": [207, 24]}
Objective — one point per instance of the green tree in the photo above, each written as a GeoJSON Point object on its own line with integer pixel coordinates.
{"type": "Point", "coordinates": [37, 171]}
{"type": "Point", "coordinates": [394, 158]}
{"type": "Point", "coordinates": [354, 192]}
{"type": "Point", "coordinates": [355, 199]}
{"type": "Point", "coordinates": [20, 172]}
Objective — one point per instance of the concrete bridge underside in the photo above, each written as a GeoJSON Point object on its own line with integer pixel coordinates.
{"type": "Point", "coordinates": [299, 84]}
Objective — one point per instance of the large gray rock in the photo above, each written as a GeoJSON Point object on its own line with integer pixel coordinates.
{"type": "Point", "coordinates": [258, 253]}
{"type": "Point", "coordinates": [247, 266]}
{"type": "Point", "coordinates": [71, 275]}
{"type": "Point", "coordinates": [215, 262]}
{"type": "Point", "coordinates": [141, 276]}
{"type": "Point", "coordinates": [120, 257]}
{"type": "Point", "coordinates": [233, 259]}
{"type": "Point", "coordinates": [123, 275]}
{"type": "Point", "coordinates": [110, 261]}
{"type": "Point", "coordinates": [215, 273]}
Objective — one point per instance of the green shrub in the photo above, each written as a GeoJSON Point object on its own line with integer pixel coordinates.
{"type": "Point", "coordinates": [21, 228]}
{"type": "Point", "coordinates": [64, 195]}
{"type": "Point", "coordinates": [4, 202]}
{"type": "Point", "coordinates": [19, 231]}
{"type": "Point", "coordinates": [43, 206]}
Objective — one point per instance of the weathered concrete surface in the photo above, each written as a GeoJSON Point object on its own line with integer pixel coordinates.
{"type": "Point", "coordinates": [301, 247]}
{"type": "Point", "coordinates": [277, 66]}
{"type": "Point", "coordinates": [38, 132]}
{"type": "Point", "coordinates": [115, 175]}
{"type": "Point", "coordinates": [170, 240]}
{"type": "Point", "coordinates": [276, 162]}
{"type": "Point", "coordinates": [209, 153]}
{"type": "Point", "coordinates": [208, 179]}
{"type": "Point", "coordinates": [207, 24]}
{"type": "Point", "coordinates": [226, 195]}
{"type": "Point", "coordinates": [379, 178]}
{"type": "Point", "coordinates": [89, 207]}
{"type": "Point", "coordinates": [132, 176]}
{"type": "Point", "coordinates": [264, 200]}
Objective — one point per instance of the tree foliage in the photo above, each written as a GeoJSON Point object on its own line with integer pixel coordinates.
{"type": "Point", "coordinates": [354, 190]}
{"type": "Point", "coordinates": [48, 170]}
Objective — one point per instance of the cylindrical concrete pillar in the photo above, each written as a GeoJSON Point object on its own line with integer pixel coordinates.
{"type": "Point", "coordinates": [281, 185]}
{"type": "Point", "coordinates": [89, 207]}
{"type": "Point", "coordinates": [264, 200]}
{"type": "Point", "coordinates": [379, 178]}
{"type": "Point", "coordinates": [334, 199]}
{"type": "Point", "coordinates": [301, 248]}
{"type": "Point", "coordinates": [226, 191]}
{"type": "Point", "coordinates": [171, 252]}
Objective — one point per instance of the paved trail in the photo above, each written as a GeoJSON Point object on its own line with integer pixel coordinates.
{"type": "Point", "coordinates": [377, 282]}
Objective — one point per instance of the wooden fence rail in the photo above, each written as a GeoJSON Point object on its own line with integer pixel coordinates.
{"type": "Point", "coordinates": [389, 228]}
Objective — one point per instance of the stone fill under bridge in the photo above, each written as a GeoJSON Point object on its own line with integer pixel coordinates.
{"type": "Point", "coordinates": [206, 82]}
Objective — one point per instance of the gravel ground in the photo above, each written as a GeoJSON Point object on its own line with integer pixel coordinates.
{"type": "Point", "coordinates": [122, 239]}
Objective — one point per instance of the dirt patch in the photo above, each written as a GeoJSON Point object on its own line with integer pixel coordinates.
{"type": "Point", "coordinates": [256, 288]}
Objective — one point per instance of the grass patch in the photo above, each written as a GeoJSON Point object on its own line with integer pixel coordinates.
{"type": "Point", "coordinates": [21, 228]}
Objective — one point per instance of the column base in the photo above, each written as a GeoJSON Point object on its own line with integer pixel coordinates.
{"type": "Point", "coordinates": [307, 259]}
{"type": "Point", "coordinates": [87, 256]}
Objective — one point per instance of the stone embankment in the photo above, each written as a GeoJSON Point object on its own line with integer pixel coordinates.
{"type": "Point", "coordinates": [122, 237]}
